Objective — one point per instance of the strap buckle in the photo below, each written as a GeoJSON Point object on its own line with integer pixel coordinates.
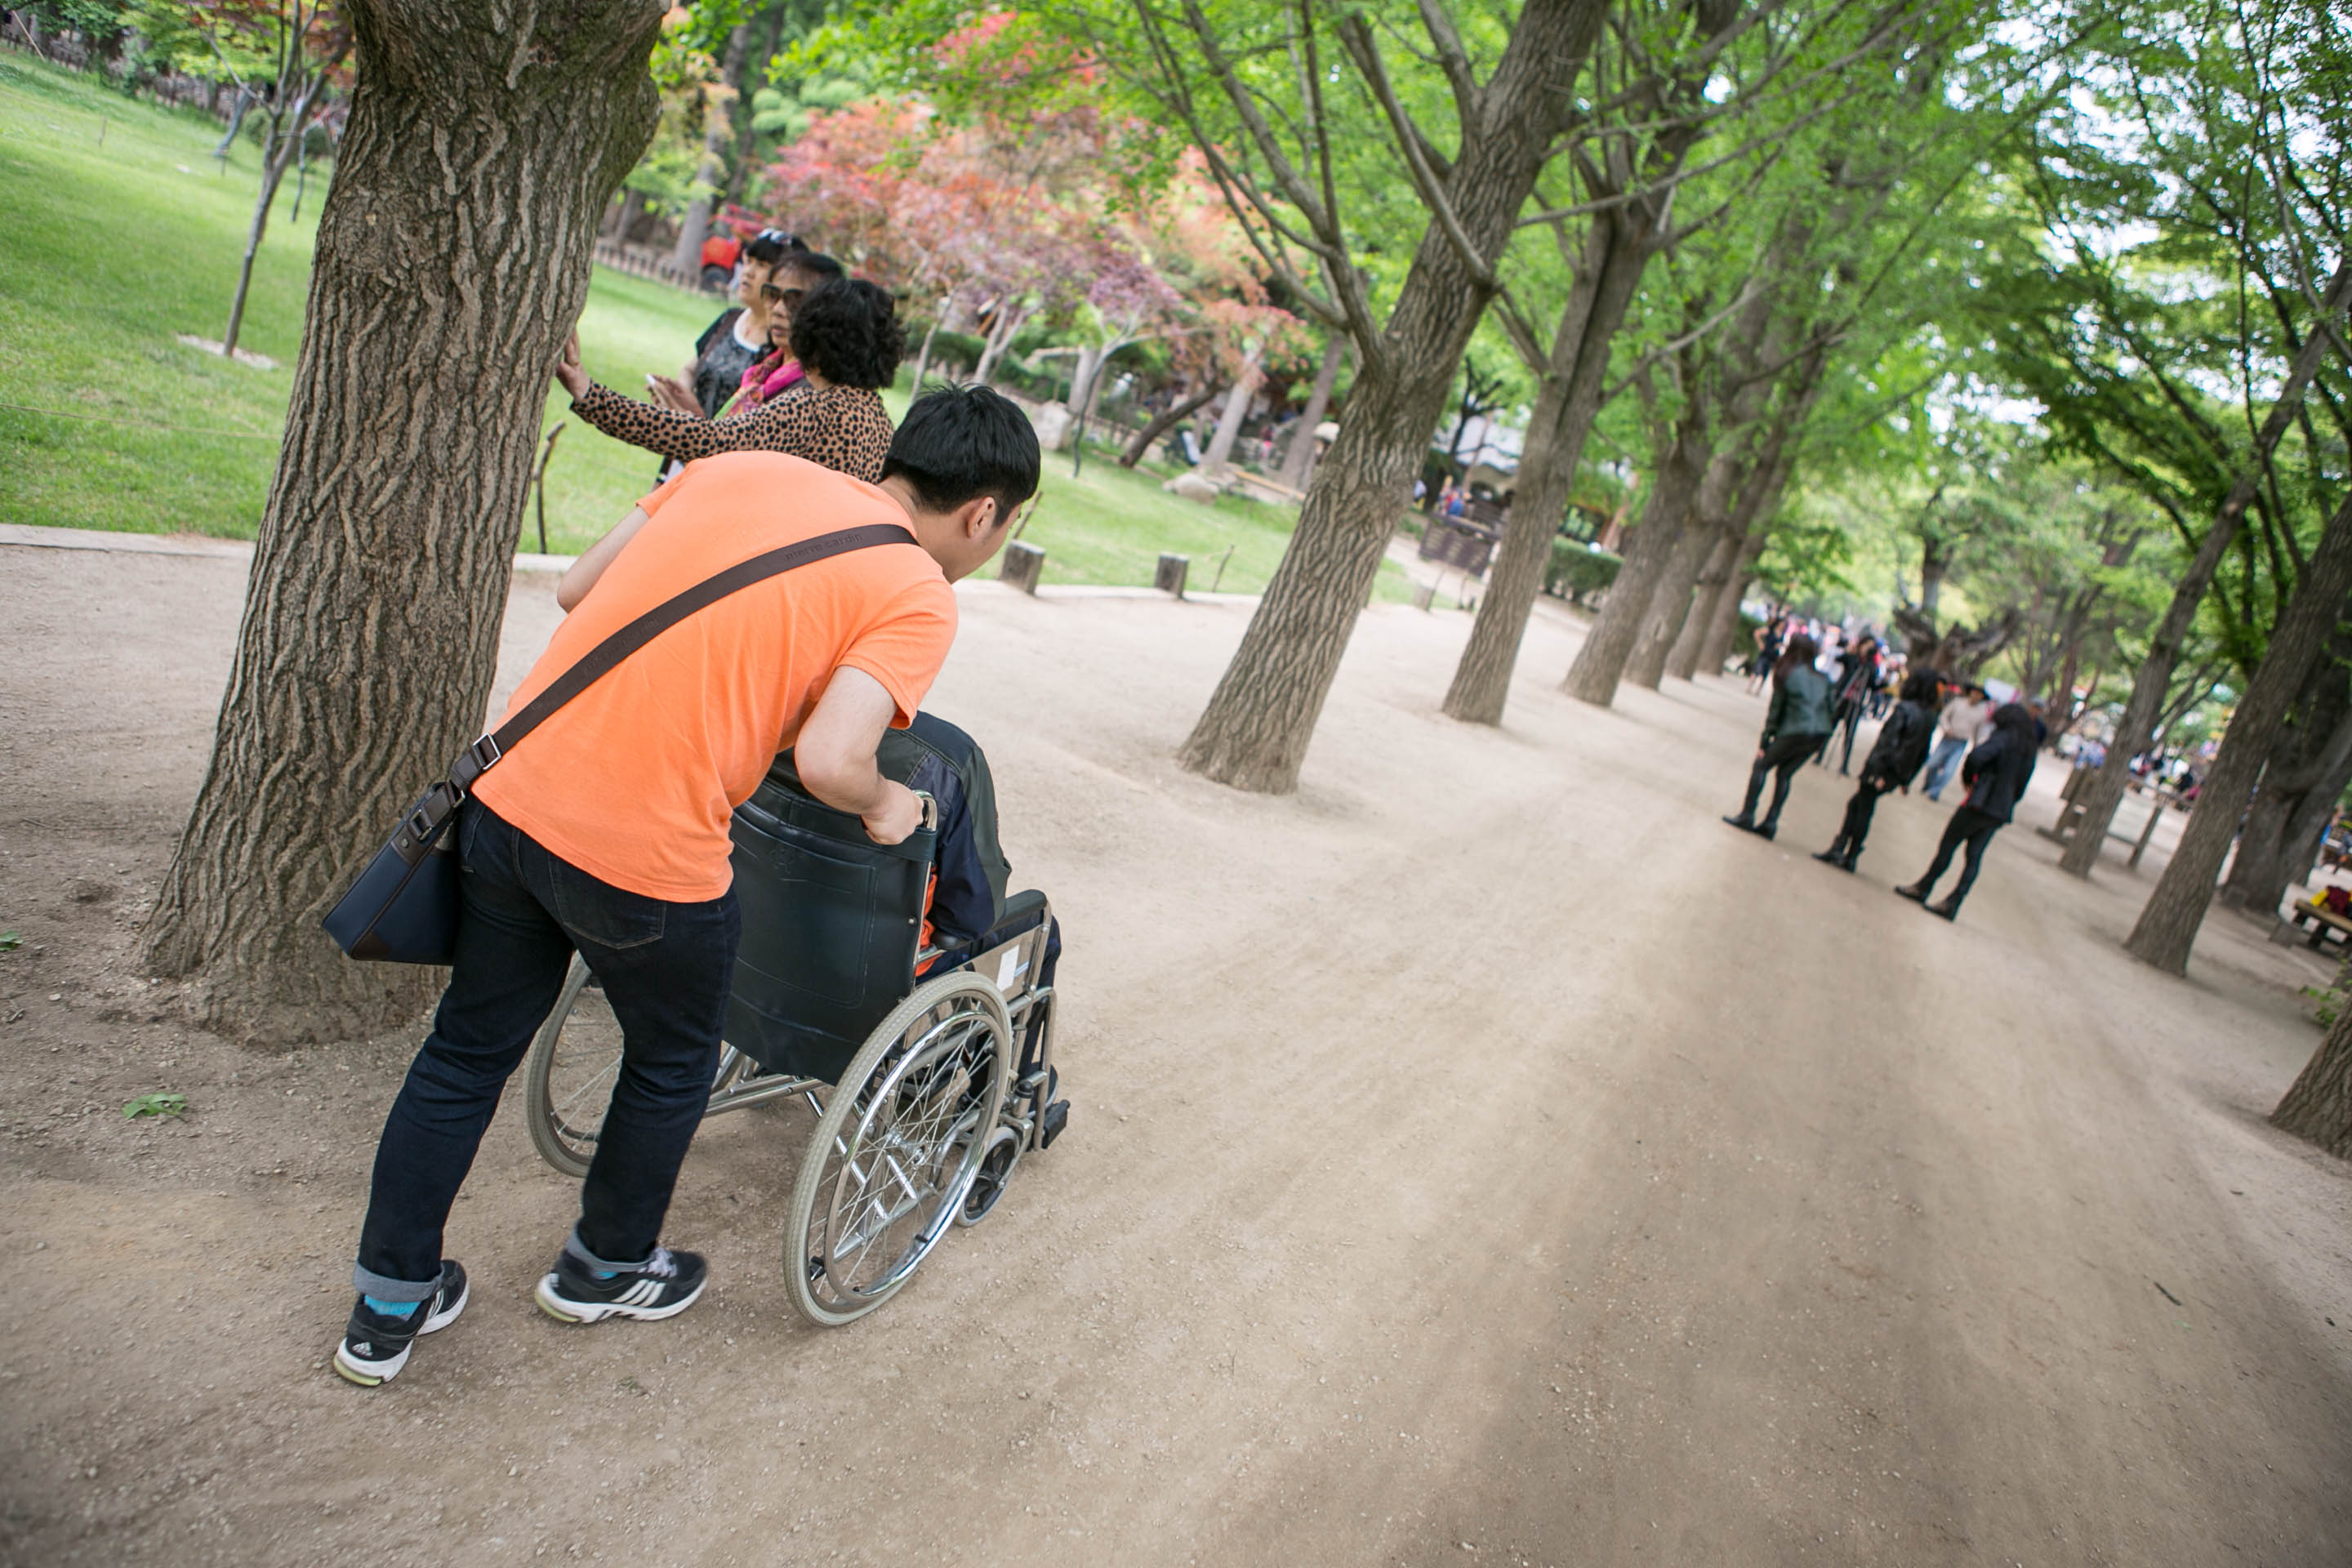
{"type": "Point", "coordinates": [473, 763]}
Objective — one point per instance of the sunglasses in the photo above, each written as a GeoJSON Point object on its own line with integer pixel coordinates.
{"type": "Point", "coordinates": [775, 294]}
{"type": "Point", "coordinates": [778, 236]}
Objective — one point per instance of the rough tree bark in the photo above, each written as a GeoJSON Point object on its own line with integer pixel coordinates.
{"type": "Point", "coordinates": [1600, 662]}
{"type": "Point", "coordinates": [1682, 662]}
{"type": "Point", "coordinates": [1670, 599]}
{"type": "Point", "coordinates": [453, 257]}
{"type": "Point", "coordinates": [2168, 924]}
{"type": "Point", "coordinates": [2318, 1107]}
{"type": "Point", "coordinates": [1254, 732]}
{"type": "Point", "coordinates": [1706, 636]}
{"type": "Point", "coordinates": [2309, 764]}
{"type": "Point", "coordinates": [1721, 634]}
{"type": "Point", "coordinates": [1617, 247]}
{"type": "Point", "coordinates": [2106, 791]}
{"type": "Point", "coordinates": [1301, 456]}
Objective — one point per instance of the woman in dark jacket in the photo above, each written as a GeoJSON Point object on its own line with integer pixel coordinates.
{"type": "Point", "coordinates": [1795, 725]}
{"type": "Point", "coordinates": [1894, 761]}
{"type": "Point", "coordinates": [1995, 773]}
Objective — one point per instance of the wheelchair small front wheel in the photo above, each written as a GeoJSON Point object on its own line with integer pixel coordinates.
{"type": "Point", "coordinates": [568, 1077]}
{"type": "Point", "coordinates": [895, 1155]}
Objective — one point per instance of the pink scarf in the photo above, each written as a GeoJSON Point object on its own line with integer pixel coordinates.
{"type": "Point", "coordinates": [765, 378]}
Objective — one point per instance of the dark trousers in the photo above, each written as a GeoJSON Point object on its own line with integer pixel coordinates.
{"type": "Point", "coordinates": [1968, 827]}
{"type": "Point", "coordinates": [1859, 810]}
{"type": "Point", "coordinates": [1784, 757]}
{"type": "Point", "coordinates": [665, 969]}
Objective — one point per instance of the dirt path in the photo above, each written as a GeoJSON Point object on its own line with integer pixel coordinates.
{"type": "Point", "coordinates": [1483, 1156]}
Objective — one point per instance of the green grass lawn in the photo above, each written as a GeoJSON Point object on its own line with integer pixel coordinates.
{"type": "Point", "coordinates": [122, 232]}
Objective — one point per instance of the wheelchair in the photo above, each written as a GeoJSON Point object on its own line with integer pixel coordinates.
{"type": "Point", "coordinates": [929, 1068]}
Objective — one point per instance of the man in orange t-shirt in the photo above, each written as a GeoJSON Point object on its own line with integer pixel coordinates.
{"type": "Point", "coordinates": [605, 832]}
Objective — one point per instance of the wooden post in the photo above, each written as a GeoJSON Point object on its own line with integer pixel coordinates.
{"type": "Point", "coordinates": [1169, 578]}
{"type": "Point", "coordinates": [1022, 563]}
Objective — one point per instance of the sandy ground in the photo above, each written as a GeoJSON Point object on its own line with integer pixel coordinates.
{"type": "Point", "coordinates": [1482, 1156]}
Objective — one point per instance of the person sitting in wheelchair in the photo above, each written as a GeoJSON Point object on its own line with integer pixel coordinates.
{"type": "Point", "coordinates": [967, 910]}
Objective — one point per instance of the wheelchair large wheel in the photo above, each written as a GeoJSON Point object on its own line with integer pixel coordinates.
{"type": "Point", "coordinates": [568, 1078]}
{"type": "Point", "coordinates": [894, 1154]}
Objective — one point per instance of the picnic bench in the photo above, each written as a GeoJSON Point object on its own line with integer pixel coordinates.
{"type": "Point", "coordinates": [1458, 542]}
{"type": "Point", "coordinates": [2314, 924]}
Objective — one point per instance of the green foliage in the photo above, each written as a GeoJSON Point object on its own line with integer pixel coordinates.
{"type": "Point", "coordinates": [163, 1103]}
{"type": "Point", "coordinates": [10, 941]}
{"type": "Point", "coordinates": [1576, 571]}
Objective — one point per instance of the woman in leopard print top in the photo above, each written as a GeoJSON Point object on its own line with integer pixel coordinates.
{"type": "Point", "coordinates": [847, 338]}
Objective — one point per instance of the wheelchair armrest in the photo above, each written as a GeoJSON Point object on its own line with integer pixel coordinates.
{"type": "Point", "coordinates": [1022, 911]}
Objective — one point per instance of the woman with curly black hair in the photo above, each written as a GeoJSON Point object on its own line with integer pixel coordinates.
{"type": "Point", "coordinates": [846, 336]}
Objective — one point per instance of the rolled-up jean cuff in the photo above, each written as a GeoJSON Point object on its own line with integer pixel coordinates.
{"type": "Point", "coordinates": [574, 1246]}
{"type": "Point", "coordinates": [386, 1289]}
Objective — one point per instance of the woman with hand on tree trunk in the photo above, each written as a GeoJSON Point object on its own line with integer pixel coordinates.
{"type": "Point", "coordinates": [1995, 773]}
{"type": "Point", "coordinates": [1795, 725]}
{"type": "Point", "coordinates": [846, 342]}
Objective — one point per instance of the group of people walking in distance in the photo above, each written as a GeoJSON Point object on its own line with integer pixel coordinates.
{"type": "Point", "coordinates": [1933, 724]}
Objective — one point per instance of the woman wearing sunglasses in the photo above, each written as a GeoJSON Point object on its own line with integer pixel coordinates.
{"type": "Point", "coordinates": [729, 346]}
{"type": "Point", "coordinates": [818, 398]}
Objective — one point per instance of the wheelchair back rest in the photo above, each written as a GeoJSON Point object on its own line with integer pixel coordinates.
{"type": "Point", "coordinates": [831, 923]}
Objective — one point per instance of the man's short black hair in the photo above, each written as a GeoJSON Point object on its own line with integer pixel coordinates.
{"type": "Point", "coordinates": [960, 443]}
{"type": "Point", "coordinates": [847, 331]}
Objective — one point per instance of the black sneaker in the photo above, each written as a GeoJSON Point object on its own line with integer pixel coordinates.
{"type": "Point", "coordinates": [376, 1345]}
{"type": "Point", "coordinates": [666, 1285]}
{"type": "Point", "coordinates": [1915, 892]}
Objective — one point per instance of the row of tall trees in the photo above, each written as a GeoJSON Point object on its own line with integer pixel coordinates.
{"type": "Point", "coordinates": [2055, 295]}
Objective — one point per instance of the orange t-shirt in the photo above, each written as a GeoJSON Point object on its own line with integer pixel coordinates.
{"type": "Point", "coordinates": [634, 780]}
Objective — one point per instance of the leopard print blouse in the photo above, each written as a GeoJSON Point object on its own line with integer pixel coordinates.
{"type": "Point", "coordinates": [842, 428]}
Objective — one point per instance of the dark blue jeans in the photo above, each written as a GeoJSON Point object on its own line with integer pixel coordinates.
{"type": "Point", "coordinates": [665, 969]}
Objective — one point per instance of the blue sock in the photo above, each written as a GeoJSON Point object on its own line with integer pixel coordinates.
{"type": "Point", "coordinates": [391, 1308]}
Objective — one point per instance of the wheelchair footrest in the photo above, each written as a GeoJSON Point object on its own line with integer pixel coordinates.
{"type": "Point", "coordinates": [1057, 1117]}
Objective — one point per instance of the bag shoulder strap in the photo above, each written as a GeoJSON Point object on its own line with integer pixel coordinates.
{"type": "Point", "coordinates": [606, 656]}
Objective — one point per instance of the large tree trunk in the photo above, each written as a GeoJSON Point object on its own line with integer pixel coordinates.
{"type": "Point", "coordinates": [718, 127]}
{"type": "Point", "coordinates": [1301, 456]}
{"type": "Point", "coordinates": [1706, 642]}
{"type": "Point", "coordinates": [2106, 791]}
{"type": "Point", "coordinates": [1568, 400]}
{"type": "Point", "coordinates": [1254, 732]}
{"type": "Point", "coordinates": [1714, 577]}
{"type": "Point", "coordinates": [2308, 767]}
{"type": "Point", "coordinates": [1162, 422]}
{"type": "Point", "coordinates": [1722, 632]}
{"type": "Point", "coordinates": [1600, 662]}
{"type": "Point", "coordinates": [1670, 601]}
{"type": "Point", "coordinates": [2168, 925]}
{"type": "Point", "coordinates": [2318, 1107]}
{"type": "Point", "coordinates": [442, 290]}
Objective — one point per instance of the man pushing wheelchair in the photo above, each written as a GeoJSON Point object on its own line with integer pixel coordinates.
{"type": "Point", "coordinates": [821, 613]}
